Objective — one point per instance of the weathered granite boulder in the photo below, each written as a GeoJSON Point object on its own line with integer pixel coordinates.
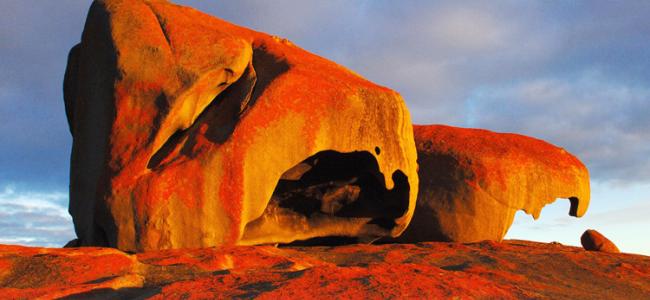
{"type": "Point", "coordinates": [593, 240]}
{"type": "Point", "coordinates": [472, 182]}
{"type": "Point", "coordinates": [189, 131]}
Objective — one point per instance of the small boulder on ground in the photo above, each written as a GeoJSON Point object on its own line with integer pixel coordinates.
{"type": "Point", "coordinates": [593, 240]}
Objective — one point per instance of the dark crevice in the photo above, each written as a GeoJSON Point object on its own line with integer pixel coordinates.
{"type": "Point", "coordinates": [161, 24]}
{"type": "Point", "coordinates": [573, 211]}
{"type": "Point", "coordinates": [457, 267]}
{"type": "Point", "coordinates": [221, 115]}
{"type": "Point", "coordinates": [225, 111]}
{"type": "Point", "coordinates": [121, 293]}
{"type": "Point", "coordinates": [268, 67]}
{"type": "Point", "coordinates": [166, 149]}
{"type": "Point", "coordinates": [162, 107]}
{"type": "Point", "coordinates": [326, 240]}
{"type": "Point", "coordinates": [101, 280]}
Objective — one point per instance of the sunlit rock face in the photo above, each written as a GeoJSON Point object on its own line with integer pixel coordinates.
{"type": "Point", "coordinates": [189, 131]}
{"type": "Point", "coordinates": [472, 182]}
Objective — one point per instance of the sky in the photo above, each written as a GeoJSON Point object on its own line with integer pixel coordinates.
{"type": "Point", "coordinates": [574, 73]}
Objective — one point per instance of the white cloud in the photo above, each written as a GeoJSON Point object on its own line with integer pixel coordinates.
{"type": "Point", "coordinates": [594, 116]}
{"type": "Point", "coordinates": [465, 29]}
{"type": "Point", "coordinates": [34, 218]}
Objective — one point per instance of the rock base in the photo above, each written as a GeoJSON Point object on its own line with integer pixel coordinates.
{"type": "Point", "coordinates": [512, 269]}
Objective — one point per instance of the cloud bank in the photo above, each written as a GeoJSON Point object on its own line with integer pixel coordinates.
{"type": "Point", "coordinates": [576, 74]}
{"type": "Point", "coordinates": [34, 218]}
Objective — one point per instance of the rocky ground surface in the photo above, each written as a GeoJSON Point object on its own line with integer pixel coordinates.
{"type": "Point", "coordinates": [512, 269]}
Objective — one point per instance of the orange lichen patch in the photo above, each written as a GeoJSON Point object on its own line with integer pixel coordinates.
{"type": "Point", "coordinates": [473, 181]}
{"type": "Point", "coordinates": [494, 147]}
{"type": "Point", "coordinates": [375, 281]}
{"type": "Point", "coordinates": [229, 188]}
{"type": "Point", "coordinates": [184, 123]}
{"type": "Point", "coordinates": [509, 270]}
{"type": "Point", "coordinates": [69, 267]}
{"type": "Point", "coordinates": [5, 268]}
{"type": "Point", "coordinates": [60, 272]}
{"type": "Point", "coordinates": [381, 281]}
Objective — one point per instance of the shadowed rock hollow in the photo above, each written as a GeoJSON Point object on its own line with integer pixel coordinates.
{"type": "Point", "coordinates": [184, 126]}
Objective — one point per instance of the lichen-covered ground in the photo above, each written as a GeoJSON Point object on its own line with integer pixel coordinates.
{"type": "Point", "coordinates": [512, 269]}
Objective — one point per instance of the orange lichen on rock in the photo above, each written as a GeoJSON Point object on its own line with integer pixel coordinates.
{"type": "Point", "coordinates": [473, 181]}
{"type": "Point", "coordinates": [183, 125]}
{"type": "Point", "coordinates": [36, 272]}
{"type": "Point", "coordinates": [507, 270]}
{"type": "Point", "coordinates": [593, 240]}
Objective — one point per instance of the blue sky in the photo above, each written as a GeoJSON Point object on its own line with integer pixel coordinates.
{"type": "Point", "coordinates": [575, 73]}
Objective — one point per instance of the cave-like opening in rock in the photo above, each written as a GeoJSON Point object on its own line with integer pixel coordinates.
{"type": "Point", "coordinates": [336, 186]}
{"type": "Point", "coordinates": [340, 184]}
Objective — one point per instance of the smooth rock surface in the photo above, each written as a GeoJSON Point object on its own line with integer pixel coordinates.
{"type": "Point", "coordinates": [486, 270]}
{"type": "Point", "coordinates": [593, 240]}
{"type": "Point", "coordinates": [473, 181]}
{"type": "Point", "coordinates": [183, 125]}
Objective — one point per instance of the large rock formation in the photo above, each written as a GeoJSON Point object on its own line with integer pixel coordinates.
{"type": "Point", "coordinates": [189, 131]}
{"type": "Point", "coordinates": [487, 270]}
{"type": "Point", "coordinates": [472, 182]}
